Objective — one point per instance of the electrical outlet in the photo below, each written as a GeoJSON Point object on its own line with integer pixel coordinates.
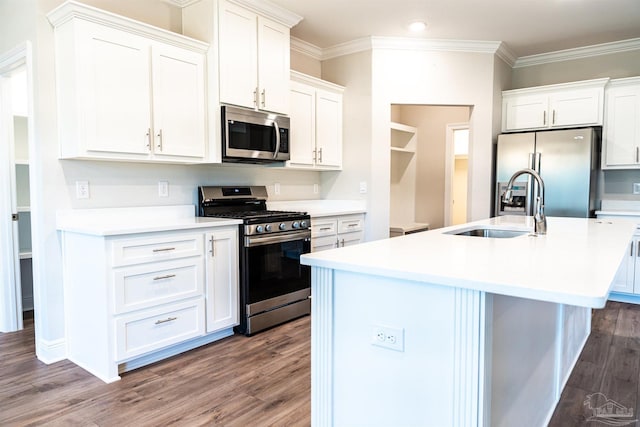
{"type": "Point", "coordinates": [363, 187]}
{"type": "Point", "coordinates": [636, 188]}
{"type": "Point", "coordinates": [82, 189]}
{"type": "Point", "coordinates": [163, 188]}
{"type": "Point", "coordinates": [388, 337]}
{"type": "Point", "coordinates": [315, 188]}
{"type": "Point", "coordinates": [276, 188]}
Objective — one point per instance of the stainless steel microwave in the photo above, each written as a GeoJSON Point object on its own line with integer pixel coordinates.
{"type": "Point", "coordinates": [250, 136]}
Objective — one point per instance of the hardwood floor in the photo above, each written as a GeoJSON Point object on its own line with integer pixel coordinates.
{"type": "Point", "coordinates": [609, 364]}
{"type": "Point", "coordinates": [262, 381]}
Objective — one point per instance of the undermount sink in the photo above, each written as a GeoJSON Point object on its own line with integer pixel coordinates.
{"type": "Point", "coordinates": [493, 233]}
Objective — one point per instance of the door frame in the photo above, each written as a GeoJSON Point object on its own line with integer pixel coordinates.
{"type": "Point", "coordinates": [10, 293]}
{"type": "Point", "coordinates": [449, 169]}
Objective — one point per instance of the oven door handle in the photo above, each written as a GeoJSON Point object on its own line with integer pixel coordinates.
{"type": "Point", "coordinates": [250, 241]}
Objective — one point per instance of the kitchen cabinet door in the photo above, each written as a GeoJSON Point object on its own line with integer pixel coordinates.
{"type": "Point", "coordinates": [621, 135]}
{"type": "Point", "coordinates": [525, 112]}
{"type": "Point", "coordinates": [625, 277]}
{"type": "Point", "coordinates": [303, 125]}
{"type": "Point", "coordinates": [178, 102]}
{"type": "Point", "coordinates": [576, 107]}
{"type": "Point", "coordinates": [329, 129]}
{"type": "Point", "coordinates": [273, 66]}
{"type": "Point", "coordinates": [113, 90]}
{"type": "Point", "coordinates": [238, 55]}
{"type": "Point", "coordinates": [222, 296]}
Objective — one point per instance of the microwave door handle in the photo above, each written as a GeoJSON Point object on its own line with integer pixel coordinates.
{"type": "Point", "coordinates": [277, 128]}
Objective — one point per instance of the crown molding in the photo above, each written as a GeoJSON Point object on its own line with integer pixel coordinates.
{"type": "Point", "coordinates": [306, 48]}
{"type": "Point", "coordinates": [506, 55]}
{"type": "Point", "coordinates": [578, 53]}
{"type": "Point", "coordinates": [403, 43]}
{"type": "Point", "coordinates": [271, 10]}
{"type": "Point", "coordinates": [181, 3]}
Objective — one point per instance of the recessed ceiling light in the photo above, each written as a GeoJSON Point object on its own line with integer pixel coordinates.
{"type": "Point", "coordinates": [417, 26]}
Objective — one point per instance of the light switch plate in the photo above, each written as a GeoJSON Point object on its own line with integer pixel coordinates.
{"type": "Point", "coordinates": [82, 189]}
{"type": "Point", "coordinates": [636, 188]}
{"type": "Point", "coordinates": [163, 188]}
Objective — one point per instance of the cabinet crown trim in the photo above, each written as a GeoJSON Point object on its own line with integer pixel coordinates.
{"type": "Point", "coordinates": [271, 11]}
{"type": "Point", "coordinates": [627, 81]}
{"type": "Point", "coordinates": [314, 81]}
{"type": "Point", "coordinates": [70, 10]}
{"type": "Point", "coordinates": [594, 83]}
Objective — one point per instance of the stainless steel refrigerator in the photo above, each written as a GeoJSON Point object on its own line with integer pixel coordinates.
{"type": "Point", "coordinates": [568, 161]}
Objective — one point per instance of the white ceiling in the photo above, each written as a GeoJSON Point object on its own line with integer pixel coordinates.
{"type": "Point", "coordinates": [527, 27]}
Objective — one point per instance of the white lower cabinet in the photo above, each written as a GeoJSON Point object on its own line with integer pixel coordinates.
{"type": "Point", "coordinates": [336, 231]}
{"type": "Point", "coordinates": [137, 298]}
{"type": "Point", "coordinates": [627, 279]}
{"type": "Point", "coordinates": [222, 279]}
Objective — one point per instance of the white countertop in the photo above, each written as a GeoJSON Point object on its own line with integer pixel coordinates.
{"type": "Point", "coordinates": [319, 208]}
{"type": "Point", "coordinates": [575, 263]}
{"type": "Point", "coordinates": [117, 221]}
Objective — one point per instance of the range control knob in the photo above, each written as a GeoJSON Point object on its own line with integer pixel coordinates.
{"type": "Point", "coordinates": [303, 224]}
{"type": "Point", "coordinates": [282, 226]}
{"type": "Point", "coordinates": [268, 227]}
{"type": "Point", "coordinates": [295, 224]}
{"type": "Point", "coordinates": [259, 229]}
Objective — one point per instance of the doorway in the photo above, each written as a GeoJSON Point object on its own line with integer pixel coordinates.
{"type": "Point", "coordinates": [16, 286]}
{"type": "Point", "coordinates": [457, 173]}
{"type": "Point", "coordinates": [420, 178]}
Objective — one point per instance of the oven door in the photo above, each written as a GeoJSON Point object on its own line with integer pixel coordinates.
{"type": "Point", "coordinates": [273, 274]}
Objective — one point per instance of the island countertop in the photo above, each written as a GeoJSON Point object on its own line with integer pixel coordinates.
{"type": "Point", "coordinates": [574, 263]}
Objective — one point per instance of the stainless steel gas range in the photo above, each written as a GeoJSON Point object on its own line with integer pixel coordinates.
{"type": "Point", "coordinates": [274, 286]}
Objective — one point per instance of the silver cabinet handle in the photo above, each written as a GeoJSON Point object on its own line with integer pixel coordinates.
{"type": "Point", "coordinates": [149, 139]}
{"type": "Point", "coordinates": [544, 117]}
{"type": "Point", "coordinates": [553, 118]}
{"type": "Point", "coordinates": [631, 249]}
{"type": "Point", "coordinates": [166, 276]}
{"type": "Point", "coordinates": [638, 247]}
{"type": "Point", "coordinates": [314, 155]}
{"type": "Point", "coordinates": [160, 140]}
{"type": "Point", "coordinates": [164, 249]}
{"type": "Point", "coordinates": [352, 225]}
{"type": "Point", "coordinates": [320, 155]}
{"type": "Point", "coordinates": [212, 250]}
{"type": "Point", "coordinates": [637, 154]}
{"type": "Point", "coordinates": [264, 97]}
{"type": "Point", "coordinates": [168, 319]}
{"type": "Point", "coordinates": [255, 97]}
{"type": "Point", "coordinates": [325, 228]}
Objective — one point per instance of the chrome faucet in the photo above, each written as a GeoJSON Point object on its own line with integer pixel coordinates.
{"type": "Point", "coordinates": [540, 225]}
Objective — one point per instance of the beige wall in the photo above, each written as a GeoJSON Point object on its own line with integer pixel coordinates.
{"type": "Point", "coordinates": [305, 64]}
{"type": "Point", "coordinates": [614, 65]}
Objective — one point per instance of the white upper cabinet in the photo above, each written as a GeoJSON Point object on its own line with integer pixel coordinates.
{"type": "Point", "coordinates": [126, 90]}
{"type": "Point", "coordinates": [254, 59]}
{"type": "Point", "coordinates": [316, 123]}
{"type": "Point", "coordinates": [621, 137]}
{"type": "Point", "coordinates": [554, 106]}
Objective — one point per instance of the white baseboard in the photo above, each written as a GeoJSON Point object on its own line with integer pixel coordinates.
{"type": "Point", "coordinates": [51, 351]}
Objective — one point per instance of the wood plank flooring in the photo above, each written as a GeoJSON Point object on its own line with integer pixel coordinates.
{"type": "Point", "coordinates": [262, 381]}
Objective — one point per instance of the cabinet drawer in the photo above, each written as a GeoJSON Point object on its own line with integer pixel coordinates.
{"type": "Point", "coordinates": [350, 224]}
{"type": "Point", "coordinates": [349, 239]}
{"type": "Point", "coordinates": [153, 329]}
{"type": "Point", "coordinates": [323, 243]}
{"type": "Point", "coordinates": [158, 283]}
{"type": "Point", "coordinates": [324, 228]}
{"type": "Point", "coordinates": [137, 251]}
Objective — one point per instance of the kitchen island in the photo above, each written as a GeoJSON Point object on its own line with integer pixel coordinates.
{"type": "Point", "coordinates": [441, 329]}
